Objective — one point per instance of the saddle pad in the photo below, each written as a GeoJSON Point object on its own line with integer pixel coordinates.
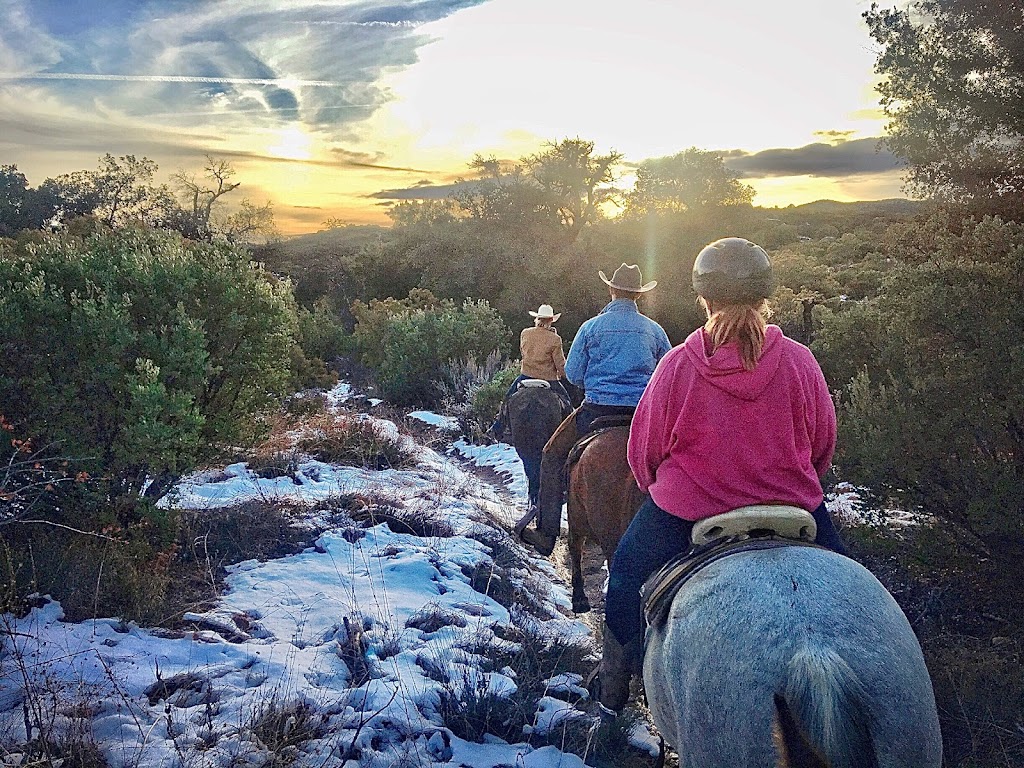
{"type": "Point", "coordinates": [660, 589]}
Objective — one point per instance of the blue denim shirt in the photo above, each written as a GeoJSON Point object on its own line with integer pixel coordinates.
{"type": "Point", "coordinates": [615, 353]}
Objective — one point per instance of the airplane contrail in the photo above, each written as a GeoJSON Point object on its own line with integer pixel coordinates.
{"type": "Point", "coordinates": [283, 82]}
{"type": "Point", "coordinates": [216, 112]}
{"type": "Point", "coordinates": [392, 24]}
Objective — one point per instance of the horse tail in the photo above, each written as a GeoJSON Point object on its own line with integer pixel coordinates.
{"type": "Point", "coordinates": [829, 705]}
{"type": "Point", "coordinates": [791, 743]}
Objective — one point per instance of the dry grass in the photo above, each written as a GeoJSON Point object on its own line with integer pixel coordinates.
{"type": "Point", "coordinates": [353, 441]}
{"type": "Point", "coordinates": [347, 439]}
{"type": "Point", "coordinates": [211, 539]}
{"type": "Point", "coordinates": [282, 727]}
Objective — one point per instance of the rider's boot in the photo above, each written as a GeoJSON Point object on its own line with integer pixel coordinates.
{"type": "Point", "coordinates": [542, 542]}
{"type": "Point", "coordinates": [609, 684]}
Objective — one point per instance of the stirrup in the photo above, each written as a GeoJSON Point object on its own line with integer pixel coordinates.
{"type": "Point", "coordinates": [593, 685]}
{"type": "Point", "coordinates": [525, 520]}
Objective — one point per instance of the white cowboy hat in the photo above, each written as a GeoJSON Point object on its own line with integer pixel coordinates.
{"type": "Point", "coordinates": [545, 312]}
{"type": "Point", "coordinates": [628, 278]}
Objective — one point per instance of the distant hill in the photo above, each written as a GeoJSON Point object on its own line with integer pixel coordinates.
{"type": "Point", "coordinates": [330, 243]}
{"type": "Point", "coordinates": [315, 246]}
{"type": "Point", "coordinates": [892, 207]}
{"type": "Point", "coordinates": [334, 262]}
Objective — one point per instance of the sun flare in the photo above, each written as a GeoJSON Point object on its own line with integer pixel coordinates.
{"type": "Point", "coordinates": [292, 143]}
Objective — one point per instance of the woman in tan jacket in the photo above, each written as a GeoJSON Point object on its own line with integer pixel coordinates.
{"type": "Point", "coordinates": [532, 416]}
{"type": "Point", "coordinates": [541, 349]}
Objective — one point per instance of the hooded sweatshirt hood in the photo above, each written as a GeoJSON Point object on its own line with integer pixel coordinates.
{"type": "Point", "coordinates": [724, 369]}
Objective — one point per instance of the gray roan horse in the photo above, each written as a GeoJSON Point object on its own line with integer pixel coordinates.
{"type": "Point", "coordinates": [603, 497]}
{"type": "Point", "coordinates": [804, 624]}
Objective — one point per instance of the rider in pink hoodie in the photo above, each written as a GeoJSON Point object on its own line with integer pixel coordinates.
{"type": "Point", "coordinates": [738, 415]}
{"type": "Point", "coordinates": [684, 448]}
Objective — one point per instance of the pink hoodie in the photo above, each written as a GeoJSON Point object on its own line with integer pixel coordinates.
{"type": "Point", "coordinates": [709, 436]}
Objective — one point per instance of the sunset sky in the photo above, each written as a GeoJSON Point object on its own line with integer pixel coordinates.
{"type": "Point", "coordinates": [332, 108]}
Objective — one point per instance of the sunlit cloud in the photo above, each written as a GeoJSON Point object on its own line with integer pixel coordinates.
{"type": "Point", "coordinates": [351, 105]}
{"type": "Point", "coordinates": [835, 137]}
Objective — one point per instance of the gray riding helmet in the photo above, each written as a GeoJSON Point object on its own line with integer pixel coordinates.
{"type": "Point", "coordinates": [733, 269]}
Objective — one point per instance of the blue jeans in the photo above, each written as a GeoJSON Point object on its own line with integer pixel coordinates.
{"type": "Point", "coordinates": [652, 539]}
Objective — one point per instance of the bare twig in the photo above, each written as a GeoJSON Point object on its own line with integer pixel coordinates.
{"type": "Point", "coordinates": [65, 527]}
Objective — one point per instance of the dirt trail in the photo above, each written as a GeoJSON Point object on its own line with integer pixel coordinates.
{"type": "Point", "coordinates": [594, 577]}
{"type": "Point", "coordinates": [594, 572]}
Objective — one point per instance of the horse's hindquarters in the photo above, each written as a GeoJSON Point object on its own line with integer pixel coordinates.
{"type": "Point", "coordinates": [603, 494]}
{"type": "Point", "coordinates": [802, 622]}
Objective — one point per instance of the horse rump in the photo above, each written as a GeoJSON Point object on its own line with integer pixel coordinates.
{"type": "Point", "coordinates": [534, 413]}
{"type": "Point", "coordinates": [810, 626]}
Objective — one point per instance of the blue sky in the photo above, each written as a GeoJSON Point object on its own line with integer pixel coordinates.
{"type": "Point", "coordinates": [322, 105]}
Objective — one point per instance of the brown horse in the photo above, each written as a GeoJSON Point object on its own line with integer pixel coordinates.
{"type": "Point", "coordinates": [603, 497]}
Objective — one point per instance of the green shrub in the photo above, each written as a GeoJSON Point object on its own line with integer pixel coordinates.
{"type": "Point", "coordinates": [132, 356]}
{"type": "Point", "coordinates": [487, 399]}
{"type": "Point", "coordinates": [321, 332]}
{"type": "Point", "coordinates": [321, 341]}
{"type": "Point", "coordinates": [936, 422]}
{"type": "Point", "coordinates": [409, 342]}
{"type": "Point", "coordinates": [138, 352]}
{"type": "Point", "coordinates": [304, 404]}
{"type": "Point", "coordinates": [851, 340]}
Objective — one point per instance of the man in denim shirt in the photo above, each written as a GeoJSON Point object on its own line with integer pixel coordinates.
{"type": "Point", "coordinates": [612, 359]}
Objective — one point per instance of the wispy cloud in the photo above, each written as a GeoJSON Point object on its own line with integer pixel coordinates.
{"type": "Point", "coordinates": [317, 62]}
{"type": "Point", "coordinates": [401, 24]}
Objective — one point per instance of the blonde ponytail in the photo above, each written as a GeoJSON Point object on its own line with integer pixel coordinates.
{"type": "Point", "coordinates": [743, 323]}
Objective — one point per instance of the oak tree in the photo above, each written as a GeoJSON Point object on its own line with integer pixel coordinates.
{"type": "Point", "coordinates": [953, 90]}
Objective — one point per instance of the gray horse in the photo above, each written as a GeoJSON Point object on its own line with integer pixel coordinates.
{"type": "Point", "coordinates": [803, 623]}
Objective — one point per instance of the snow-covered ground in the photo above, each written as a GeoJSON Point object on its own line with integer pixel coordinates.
{"type": "Point", "coordinates": [284, 629]}
{"type": "Point", "coordinates": [286, 633]}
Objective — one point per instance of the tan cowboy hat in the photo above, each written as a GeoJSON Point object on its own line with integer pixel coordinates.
{"type": "Point", "coordinates": [628, 278]}
{"type": "Point", "coordinates": [546, 312]}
